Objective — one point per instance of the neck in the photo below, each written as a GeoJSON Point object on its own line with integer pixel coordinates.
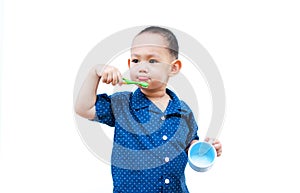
{"type": "Point", "coordinates": [154, 94]}
{"type": "Point", "coordinates": [160, 98]}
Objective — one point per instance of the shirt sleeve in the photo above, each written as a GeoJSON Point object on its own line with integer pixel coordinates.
{"type": "Point", "coordinates": [104, 113]}
{"type": "Point", "coordinates": [193, 127]}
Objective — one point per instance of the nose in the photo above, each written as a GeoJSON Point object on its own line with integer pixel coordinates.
{"type": "Point", "coordinates": [143, 67]}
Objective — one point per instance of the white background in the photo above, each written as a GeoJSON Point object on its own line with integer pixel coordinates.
{"type": "Point", "coordinates": [255, 44]}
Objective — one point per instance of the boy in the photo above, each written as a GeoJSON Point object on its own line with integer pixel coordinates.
{"type": "Point", "coordinates": [153, 128]}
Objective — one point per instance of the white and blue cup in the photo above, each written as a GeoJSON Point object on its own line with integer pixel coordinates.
{"type": "Point", "coordinates": [202, 156]}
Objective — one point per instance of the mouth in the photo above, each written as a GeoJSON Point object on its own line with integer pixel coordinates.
{"type": "Point", "coordinates": [143, 79]}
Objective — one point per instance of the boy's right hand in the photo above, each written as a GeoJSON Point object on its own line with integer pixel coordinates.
{"type": "Point", "coordinates": [109, 74]}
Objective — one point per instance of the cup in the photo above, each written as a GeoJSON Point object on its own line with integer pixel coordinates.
{"type": "Point", "coordinates": [201, 156]}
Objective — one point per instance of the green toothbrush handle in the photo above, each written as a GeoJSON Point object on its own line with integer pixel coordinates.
{"type": "Point", "coordinates": [143, 84]}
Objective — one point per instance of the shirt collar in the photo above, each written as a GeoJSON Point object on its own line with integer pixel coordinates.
{"type": "Point", "coordinates": [139, 100]}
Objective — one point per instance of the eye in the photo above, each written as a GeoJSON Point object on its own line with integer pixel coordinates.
{"type": "Point", "coordinates": [134, 60]}
{"type": "Point", "coordinates": [153, 61]}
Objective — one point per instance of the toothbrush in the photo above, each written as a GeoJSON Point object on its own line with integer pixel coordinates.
{"type": "Point", "coordinates": [143, 84]}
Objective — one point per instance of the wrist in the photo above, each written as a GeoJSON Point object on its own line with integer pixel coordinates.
{"type": "Point", "coordinates": [96, 71]}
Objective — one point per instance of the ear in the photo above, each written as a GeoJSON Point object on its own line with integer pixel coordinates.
{"type": "Point", "coordinates": [128, 63]}
{"type": "Point", "coordinates": [175, 67]}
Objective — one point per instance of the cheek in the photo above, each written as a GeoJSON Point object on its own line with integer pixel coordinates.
{"type": "Point", "coordinates": [133, 72]}
{"type": "Point", "coordinates": [160, 71]}
{"type": "Point", "coordinates": [160, 75]}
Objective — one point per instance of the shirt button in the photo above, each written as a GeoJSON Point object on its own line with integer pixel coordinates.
{"type": "Point", "coordinates": [167, 159]}
{"type": "Point", "coordinates": [163, 118]}
{"type": "Point", "coordinates": [165, 137]}
{"type": "Point", "coordinates": [167, 181]}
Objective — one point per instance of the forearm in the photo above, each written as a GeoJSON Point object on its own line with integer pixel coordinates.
{"type": "Point", "coordinates": [86, 98]}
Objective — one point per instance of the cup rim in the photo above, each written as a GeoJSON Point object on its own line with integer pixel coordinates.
{"type": "Point", "coordinates": [202, 166]}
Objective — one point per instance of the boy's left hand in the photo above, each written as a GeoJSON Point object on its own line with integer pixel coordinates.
{"type": "Point", "coordinates": [218, 146]}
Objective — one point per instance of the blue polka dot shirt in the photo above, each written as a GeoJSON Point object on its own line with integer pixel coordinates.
{"type": "Point", "coordinates": [149, 150]}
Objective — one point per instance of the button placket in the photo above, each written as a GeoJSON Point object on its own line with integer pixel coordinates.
{"type": "Point", "coordinates": [165, 179]}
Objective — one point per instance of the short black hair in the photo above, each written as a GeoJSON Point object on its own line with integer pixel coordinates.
{"type": "Point", "coordinates": [167, 34]}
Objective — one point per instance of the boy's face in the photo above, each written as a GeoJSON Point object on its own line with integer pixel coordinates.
{"type": "Point", "coordinates": [151, 60]}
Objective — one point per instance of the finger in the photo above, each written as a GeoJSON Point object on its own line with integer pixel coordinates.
{"type": "Point", "coordinates": [217, 146]}
{"type": "Point", "coordinates": [104, 77]}
{"type": "Point", "coordinates": [120, 80]}
{"type": "Point", "coordinates": [115, 78]}
{"type": "Point", "coordinates": [109, 78]}
{"type": "Point", "coordinates": [216, 142]}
